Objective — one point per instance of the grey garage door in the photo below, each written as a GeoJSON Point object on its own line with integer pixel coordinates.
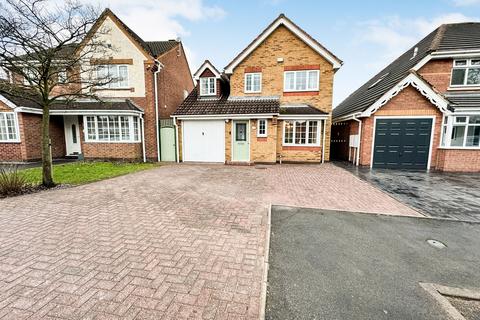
{"type": "Point", "coordinates": [402, 143]}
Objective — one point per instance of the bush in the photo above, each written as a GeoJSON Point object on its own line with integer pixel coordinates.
{"type": "Point", "coordinates": [12, 181]}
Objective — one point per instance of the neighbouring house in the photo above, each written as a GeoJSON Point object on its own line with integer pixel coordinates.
{"type": "Point", "coordinates": [128, 121]}
{"type": "Point", "coordinates": [420, 112]}
{"type": "Point", "coordinates": [272, 102]}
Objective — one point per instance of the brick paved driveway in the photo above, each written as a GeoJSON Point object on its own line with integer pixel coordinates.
{"type": "Point", "coordinates": [180, 241]}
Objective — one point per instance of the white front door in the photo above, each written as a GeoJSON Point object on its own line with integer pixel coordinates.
{"type": "Point", "coordinates": [204, 140]}
{"type": "Point", "coordinates": [72, 135]}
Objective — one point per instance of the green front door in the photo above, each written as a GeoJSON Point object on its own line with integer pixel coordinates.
{"type": "Point", "coordinates": [241, 141]}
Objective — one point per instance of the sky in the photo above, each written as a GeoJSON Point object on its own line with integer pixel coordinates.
{"type": "Point", "coordinates": [366, 35]}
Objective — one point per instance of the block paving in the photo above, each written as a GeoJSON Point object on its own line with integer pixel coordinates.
{"type": "Point", "coordinates": [177, 242]}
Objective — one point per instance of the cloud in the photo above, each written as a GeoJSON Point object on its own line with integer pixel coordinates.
{"type": "Point", "coordinates": [393, 35]}
{"type": "Point", "coordinates": [466, 3]}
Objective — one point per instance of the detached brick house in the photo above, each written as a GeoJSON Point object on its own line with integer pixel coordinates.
{"type": "Point", "coordinates": [124, 125]}
{"type": "Point", "coordinates": [272, 103]}
{"type": "Point", "coordinates": [420, 112]}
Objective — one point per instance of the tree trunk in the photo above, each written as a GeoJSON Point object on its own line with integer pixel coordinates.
{"type": "Point", "coordinates": [47, 179]}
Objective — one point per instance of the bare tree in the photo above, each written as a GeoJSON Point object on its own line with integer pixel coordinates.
{"type": "Point", "coordinates": [48, 51]}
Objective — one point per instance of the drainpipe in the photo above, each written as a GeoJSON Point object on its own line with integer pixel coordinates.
{"type": "Point", "coordinates": [142, 123]}
{"type": "Point", "coordinates": [176, 140]}
{"type": "Point", "coordinates": [159, 66]}
{"type": "Point", "coordinates": [323, 142]}
{"type": "Point", "coordinates": [357, 160]}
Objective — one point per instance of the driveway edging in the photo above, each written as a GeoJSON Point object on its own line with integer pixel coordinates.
{"type": "Point", "coordinates": [263, 294]}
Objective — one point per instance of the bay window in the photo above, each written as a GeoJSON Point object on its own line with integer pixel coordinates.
{"type": "Point", "coordinates": [112, 129]}
{"type": "Point", "coordinates": [116, 76]}
{"type": "Point", "coordinates": [208, 86]}
{"type": "Point", "coordinates": [464, 131]}
{"type": "Point", "coordinates": [301, 133]}
{"type": "Point", "coordinates": [253, 82]}
{"type": "Point", "coordinates": [8, 127]}
{"type": "Point", "coordinates": [466, 72]}
{"type": "Point", "coordinates": [304, 80]}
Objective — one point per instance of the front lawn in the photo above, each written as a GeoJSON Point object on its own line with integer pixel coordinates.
{"type": "Point", "coordinates": [76, 173]}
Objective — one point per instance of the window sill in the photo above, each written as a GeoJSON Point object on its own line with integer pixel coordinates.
{"type": "Point", "coordinates": [300, 93]}
{"type": "Point", "coordinates": [112, 142]}
{"type": "Point", "coordinates": [10, 141]}
{"type": "Point", "coordinates": [115, 89]}
{"type": "Point", "coordinates": [302, 147]}
{"type": "Point", "coordinates": [250, 92]}
{"type": "Point", "coordinates": [460, 148]}
{"type": "Point", "coordinates": [463, 88]}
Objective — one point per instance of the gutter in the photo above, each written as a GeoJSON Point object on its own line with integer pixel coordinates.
{"type": "Point", "coordinates": [155, 77]}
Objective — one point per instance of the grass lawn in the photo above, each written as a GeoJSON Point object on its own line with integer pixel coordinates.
{"type": "Point", "coordinates": [76, 173]}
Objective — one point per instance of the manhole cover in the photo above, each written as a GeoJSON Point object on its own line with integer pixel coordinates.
{"type": "Point", "coordinates": [435, 243]}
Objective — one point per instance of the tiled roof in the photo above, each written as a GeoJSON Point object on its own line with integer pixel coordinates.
{"type": "Point", "coordinates": [158, 48]}
{"type": "Point", "coordinates": [464, 99]}
{"type": "Point", "coordinates": [194, 105]}
{"type": "Point", "coordinates": [118, 105]}
{"type": "Point", "coordinates": [300, 109]}
{"type": "Point", "coordinates": [460, 36]}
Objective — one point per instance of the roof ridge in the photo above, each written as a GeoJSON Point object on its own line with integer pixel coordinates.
{"type": "Point", "coordinates": [438, 37]}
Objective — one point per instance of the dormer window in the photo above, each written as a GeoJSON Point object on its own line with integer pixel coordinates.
{"type": "Point", "coordinates": [208, 86]}
{"type": "Point", "coordinates": [466, 72]}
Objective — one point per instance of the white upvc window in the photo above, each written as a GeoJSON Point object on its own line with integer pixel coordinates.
{"type": "Point", "coordinates": [465, 72]}
{"type": "Point", "coordinates": [9, 127]}
{"type": "Point", "coordinates": [301, 133]}
{"type": "Point", "coordinates": [262, 125]}
{"type": "Point", "coordinates": [115, 74]}
{"type": "Point", "coordinates": [107, 128]}
{"type": "Point", "coordinates": [62, 76]}
{"type": "Point", "coordinates": [253, 82]}
{"type": "Point", "coordinates": [461, 131]}
{"type": "Point", "coordinates": [303, 80]}
{"type": "Point", "coordinates": [208, 86]}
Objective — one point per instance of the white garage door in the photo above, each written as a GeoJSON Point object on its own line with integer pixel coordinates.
{"type": "Point", "coordinates": [204, 140]}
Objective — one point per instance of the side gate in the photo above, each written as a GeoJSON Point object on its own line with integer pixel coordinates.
{"type": "Point", "coordinates": [167, 141]}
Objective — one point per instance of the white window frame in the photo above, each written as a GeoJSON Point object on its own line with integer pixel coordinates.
{"type": "Point", "coordinates": [447, 129]}
{"type": "Point", "coordinates": [466, 67]}
{"type": "Point", "coordinates": [15, 127]}
{"type": "Point", "coordinates": [295, 73]}
{"type": "Point", "coordinates": [209, 87]}
{"type": "Point", "coordinates": [114, 84]}
{"type": "Point", "coordinates": [131, 129]}
{"type": "Point", "coordinates": [62, 76]}
{"type": "Point", "coordinates": [253, 74]}
{"type": "Point", "coordinates": [258, 128]}
{"type": "Point", "coordinates": [307, 133]}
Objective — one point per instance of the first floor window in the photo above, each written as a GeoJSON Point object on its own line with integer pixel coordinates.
{"type": "Point", "coordinates": [113, 76]}
{"type": "Point", "coordinates": [8, 127]}
{"type": "Point", "coordinates": [466, 72]}
{"type": "Point", "coordinates": [465, 131]}
{"type": "Point", "coordinates": [304, 80]}
{"type": "Point", "coordinates": [112, 128]}
{"type": "Point", "coordinates": [301, 132]}
{"type": "Point", "coordinates": [207, 86]}
{"type": "Point", "coordinates": [262, 128]}
{"type": "Point", "coordinates": [253, 82]}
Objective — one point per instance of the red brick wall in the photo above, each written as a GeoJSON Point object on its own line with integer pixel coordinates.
{"type": "Point", "coordinates": [31, 136]}
{"type": "Point", "coordinates": [458, 160]}
{"type": "Point", "coordinates": [173, 80]}
{"type": "Point", "coordinates": [438, 73]}
{"type": "Point", "coordinates": [408, 102]}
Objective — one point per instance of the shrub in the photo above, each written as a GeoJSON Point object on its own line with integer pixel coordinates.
{"type": "Point", "coordinates": [12, 181]}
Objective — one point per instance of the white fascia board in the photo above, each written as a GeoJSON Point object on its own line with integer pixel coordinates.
{"type": "Point", "coordinates": [225, 116]}
{"type": "Point", "coordinates": [299, 33]}
{"type": "Point", "coordinates": [7, 102]}
{"type": "Point", "coordinates": [456, 53]}
{"type": "Point", "coordinates": [350, 116]}
{"type": "Point", "coordinates": [203, 67]}
{"type": "Point", "coordinates": [79, 112]}
{"type": "Point", "coordinates": [302, 116]}
{"type": "Point", "coordinates": [466, 111]}
{"type": "Point", "coordinates": [436, 99]}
